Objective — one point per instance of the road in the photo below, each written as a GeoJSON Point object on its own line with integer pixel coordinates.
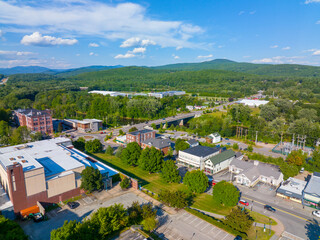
{"type": "Point", "coordinates": [297, 220]}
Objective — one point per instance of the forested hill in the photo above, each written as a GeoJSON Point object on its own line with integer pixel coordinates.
{"type": "Point", "coordinates": [289, 70]}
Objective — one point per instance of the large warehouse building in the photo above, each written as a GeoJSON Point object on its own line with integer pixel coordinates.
{"type": "Point", "coordinates": [44, 171]}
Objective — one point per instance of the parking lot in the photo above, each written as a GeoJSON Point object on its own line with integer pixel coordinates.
{"type": "Point", "coordinates": [41, 230]}
{"type": "Point", "coordinates": [184, 225]}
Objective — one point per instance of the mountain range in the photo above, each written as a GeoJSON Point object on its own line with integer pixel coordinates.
{"type": "Point", "coordinates": [290, 70]}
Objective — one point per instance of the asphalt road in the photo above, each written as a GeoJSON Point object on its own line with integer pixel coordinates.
{"type": "Point", "coordinates": [297, 221]}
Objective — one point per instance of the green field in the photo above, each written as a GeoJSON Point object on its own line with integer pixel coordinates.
{"type": "Point", "coordinates": [154, 183]}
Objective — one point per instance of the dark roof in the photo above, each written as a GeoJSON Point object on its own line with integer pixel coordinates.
{"type": "Point", "coordinates": [222, 157]}
{"type": "Point", "coordinates": [201, 151]}
{"type": "Point", "coordinates": [238, 154]}
{"type": "Point", "coordinates": [141, 132]}
{"type": "Point", "coordinates": [158, 142]}
{"type": "Point", "coordinates": [33, 112]}
{"type": "Point", "coordinates": [192, 141]}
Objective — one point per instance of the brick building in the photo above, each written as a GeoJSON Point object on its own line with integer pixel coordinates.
{"type": "Point", "coordinates": [34, 120]}
{"type": "Point", "coordinates": [47, 171]}
{"type": "Point", "coordinates": [161, 144]}
{"type": "Point", "coordinates": [140, 136]}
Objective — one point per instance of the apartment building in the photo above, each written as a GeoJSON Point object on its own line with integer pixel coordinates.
{"type": "Point", "coordinates": [161, 144]}
{"type": "Point", "coordinates": [140, 136]}
{"type": "Point", "coordinates": [35, 120]}
{"type": "Point", "coordinates": [46, 171]}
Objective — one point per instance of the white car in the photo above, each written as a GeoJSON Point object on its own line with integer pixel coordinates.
{"type": "Point", "coordinates": [316, 213]}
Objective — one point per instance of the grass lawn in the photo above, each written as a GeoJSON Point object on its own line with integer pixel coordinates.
{"type": "Point", "coordinates": [217, 114]}
{"type": "Point", "coordinates": [205, 202]}
{"type": "Point", "coordinates": [152, 182]}
{"type": "Point", "coordinates": [257, 233]}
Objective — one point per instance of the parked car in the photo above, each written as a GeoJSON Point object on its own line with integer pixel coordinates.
{"type": "Point", "coordinates": [301, 170]}
{"type": "Point", "coordinates": [243, 202]}
{"type": "Point", "coordinates": [316, 213]}
{"type": "Point", "coordinates": [226, 138]}
{"type": "Point", "coordinates": [228, 143]}
{"type": "Point", "coordinates": [72, 205]}
{"type": "Point", "coordinates": [37, 217]}
{"type": "Point", "coordinates": [269, 208]}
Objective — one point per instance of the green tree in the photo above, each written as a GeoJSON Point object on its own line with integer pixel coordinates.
{"type": "Point", "coordinates": [225, 194]}
{"type": "Point", "coordinates": [181, 145]}
{"type": "Point", "coordinates": [91, 179]}
{"type": "Point", "coordinates": [109, 150]}
{"type": "Point", "coordinates": [37, 136]}
{"type": "Point", "coordinates": [314, 163]}
{"type": "Point", "coordinates": [288, 170]}
{"type": "Point", "coordinates": [250, 148]}
{"type": "Point", "coordinates": [10, 230]}
{"type": "Point", "coordinates": [235, 146]}
{"type": "Point", "coordinates": [154, 126]}
{"type": "Point", "coordinates": [131, 154]}
{"type": "Point", "coordinates": [149, 223]}
{"type": "Point", "coordinates": [269, 112]}
{"type": "Point", "coordinates": [170, 172]}
{"type": "Point", "coordinates": [125, 183]}
{"type": "Point", "coordinates": [93, 146]}
{"type": "Point", "coordinates": [20, 135]}
{"type": "Point", "coordinates": [196, 180]}
{"type": "Point", "coordinates": [310, 114]}
{"type": "Point", "coordinates": [239, 220]}
{"type": "Point", "coordinates": [133, 129]}
{"type": "Point", "coordinates": [67, 232]}
{"type": "Point", "coordinates": [119, 151]}
{"type": "Point", "coordinates": [80, 144]}
{"type": "Point", "coordinates": [108, 220]}
{"type": "Point", "coordinates": [121, 133]}
{"type": "Point", "coordinates": [176, 199]}
{"type": "Point", "coordinates": [151, 160]}
{"type": "Point", "coordinates": [297, 158]}
{"type": "Point", "coordinates": [4, 133]}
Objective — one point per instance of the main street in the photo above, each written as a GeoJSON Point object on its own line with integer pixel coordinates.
{"type": "Point", "coordinates": [297, 221]}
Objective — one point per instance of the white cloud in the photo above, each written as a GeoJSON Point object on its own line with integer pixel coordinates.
{"type": "Point", "coordinates": [274, 46]}
{"type": "Point", "coordinates": [115, 21]}
{"type": "Point", "coordinates": [316, 53]}
{"type": "Point", "coordinates": [175, 56]}
{"type": "Point", "coordinates": [37, 39]}
{"type": "Point", "coordinates": [127, 55]}
{"type": "Point", "coordinates": [138, 50]}
{"type": "Point", "coordinates": [78, 54]}
{"type": "Point", "coordinates": [179, 47]}
{"type": "Point", "coordinates": [312, 1]}
{"type": "Point", "coordinates": [280, 60]}
{"type": "Point", "coordinates": [94, 45]}
{"type": "Point", "coordinates": [252, 12]}
{"type": "Point", "coordinates": [15, 53]}
{"type": "Point", "coordinates": [135, 42]}
{"type": "Point", "coordinates": [47, 62]}
{"type": "Point", "coordinates": [286, 48]}
{"type": "Point", "coordinates": [1, 33]}
{"type": "Point", "coordinates": [246, 56]}
{"type": "Point", "coordinates": [205, 57]}
{"type": "Point", "coordinates": [93, 54]}
{"type": "Point", "coordinates": [240, 13]}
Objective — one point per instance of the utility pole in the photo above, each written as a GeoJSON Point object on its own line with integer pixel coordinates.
{"type": "Point", "coordinates": [281, 139]}
{"type": "Point", "coordinates": [292, 142]}
{"type": "Point", "coordinates": [256, 137]}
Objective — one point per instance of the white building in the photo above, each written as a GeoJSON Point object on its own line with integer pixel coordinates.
{"type": "Point", "coordinates": [196, 156]}
{"type": "Point", "coordinates": [215, 137]}
{"type": "Point", "coordinates": [252, 103]}
{"type": "Point", "coordinates": [189, 107]}
{"type": "Point", "coordinates": [164, 94]}
{"type": "Point", "coordinates": [111, 93]}
{"type": "Point", "coordinates": [219, 162]}
{"type": "Point", "coordinates": [249, 173]}
{"type": "Point", "coordinates": [292, 189]}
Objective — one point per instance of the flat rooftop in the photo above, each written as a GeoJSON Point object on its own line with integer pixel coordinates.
{"type": "Point", "coordinates": [292, 187]}
{"type": "Point", "coordinates": [201, 151]}
{"type": "Point", "coordinates": [141, 132]}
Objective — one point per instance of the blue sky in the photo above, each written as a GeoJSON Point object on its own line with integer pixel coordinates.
{"type": "Point", "coordinates": [75, 33]}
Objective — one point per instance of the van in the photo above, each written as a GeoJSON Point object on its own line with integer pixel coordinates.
{"type": "Point", "coordinates": [301, 170]}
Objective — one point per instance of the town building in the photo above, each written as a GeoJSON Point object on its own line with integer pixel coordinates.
{"type": "Point", "coordinates": [249, 173]}
{"type": "Point", "coordinates": [193, 143]}
{"type": "Point", "coordinates": [219, 162]}
{"type": "Point", "coordinates": [34, 120]}
{"type": "Point", "coordinates": [214, 138]}
{"type": "Point", "coordinates": [252, 103]}
{"type": "Point", "coordinates": [140, 136]}
{"type": "Point", "coordinates": [47, 171]}
{"type": "Point", "coordinates": [292, 189]}
{"type": "Point", "coordinates": [161, 144]}
{"type": "Point", "coordinates": [165, 94]}
{"type": "Point", "coordinates": [189, 107]}
{"type": "Point", "coordinates": [121, 140]}
{"type": "Point", "coordinates": [196, 156]}
{"type": "Point", "coordinates": [84, 125]}
{"type": "Point", "coordinates": [311, 194]}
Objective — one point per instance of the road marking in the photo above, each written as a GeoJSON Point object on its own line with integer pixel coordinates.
{"type": "Point", "coordinates": [198, 224]}
{"type": "Point", "coordinates": [205, 227]}
{"type": "Point", "coordinates": [280, 210]}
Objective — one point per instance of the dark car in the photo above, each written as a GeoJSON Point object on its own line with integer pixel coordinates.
{"type": "Point", "coordinates": [269, 208]}
{"type": "Point", "coordinates": [227, 139]}
{"type": "Point", "coordinates": [72, 205]}
{"type": "Point", "coordinates": [37, 217]}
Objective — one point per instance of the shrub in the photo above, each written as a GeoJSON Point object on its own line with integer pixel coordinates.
{"type": "Point", "coordinates": [125, 183]}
